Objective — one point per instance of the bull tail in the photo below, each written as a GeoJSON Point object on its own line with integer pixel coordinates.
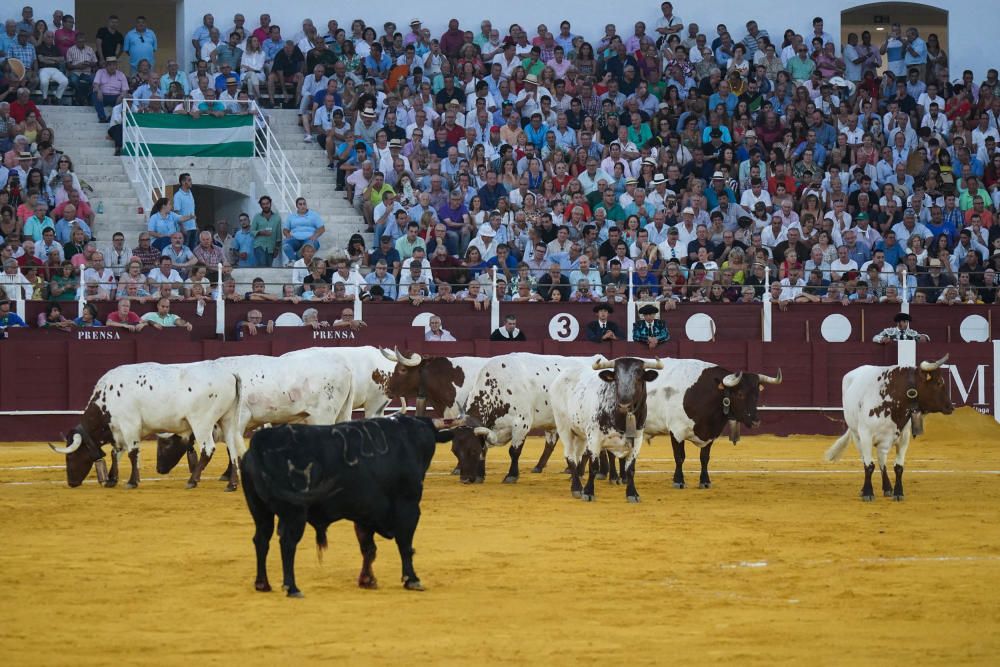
{"type": "Point", "coordinates": [837, 449]}
{"type": "Point", "coordinates": [321, 543]}
{"type": "Point", "coordinates": [236, 417]}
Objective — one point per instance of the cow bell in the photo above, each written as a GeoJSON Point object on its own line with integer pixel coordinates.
{"type": "Point", "coordinates": [916, 423]}
{"type": "Point", "coordinates": [630, 429]}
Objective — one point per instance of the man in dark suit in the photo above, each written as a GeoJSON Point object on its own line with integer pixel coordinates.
{"type": "Point", "coordinates": [602, 329]}
{"type": "Point", "coordinates": [508, 332]}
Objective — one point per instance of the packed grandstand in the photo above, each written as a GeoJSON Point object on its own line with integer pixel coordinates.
{"type": "Point", "coordinates": [688, 165]}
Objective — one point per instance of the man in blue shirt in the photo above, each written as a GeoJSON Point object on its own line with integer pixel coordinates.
{"type": "Point", "coordinates": [304, 227]}
{"type": "Point", "coordinates": [243, 244]}
{"type": "Point", "coordinates": [140, 42]}
{"type": "Point", "coordinates": [7, 318]}
{"type": "Point", "coordinates": [202, 33]}
{"type": "Point", "coordinates": [184, 209]}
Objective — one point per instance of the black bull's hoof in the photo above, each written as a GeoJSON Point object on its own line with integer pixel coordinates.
{"type": "Point", "coordinates": [413, 585]}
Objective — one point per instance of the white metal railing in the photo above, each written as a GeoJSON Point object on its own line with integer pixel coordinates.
{"type": "Point", "coordinates": [139, 162]}
{"type": "Point", "coordinates": [278, 170]}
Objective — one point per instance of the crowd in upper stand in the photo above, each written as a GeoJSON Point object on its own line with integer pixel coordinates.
{"type": "Point", "coordinates": [708, 162]}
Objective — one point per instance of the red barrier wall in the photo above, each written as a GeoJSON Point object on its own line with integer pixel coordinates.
{"type": "Point", "coordinates": [56, 371]}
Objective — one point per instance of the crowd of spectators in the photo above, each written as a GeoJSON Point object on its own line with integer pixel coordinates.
{"type": "Point", "coordinates": [708, 163]}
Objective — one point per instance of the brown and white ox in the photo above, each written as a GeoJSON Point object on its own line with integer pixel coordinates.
{"type": "Point", "coordinates": [884, 407]}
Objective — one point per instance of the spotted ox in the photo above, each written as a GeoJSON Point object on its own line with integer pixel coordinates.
{"type": "Point", "coordinates": [601, 410]}
{"type": "Point", "coordinates": [693, 400]}
{"type": "Point", "coordinates": [368, 471]}
{"type": "Point", "coordinates": [510, 397]}
{"type": "Point", "coordinates": [300, 388]}
{"type": "Point", "coordinates": [138, 400]}
{"type": "Point", "coordinates": [884, 407]}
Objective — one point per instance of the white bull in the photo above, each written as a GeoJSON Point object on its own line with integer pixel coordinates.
{"type": "Point", "coordinates": [309, 388]}
{"type": "Point", "coordinates": [370, 372]}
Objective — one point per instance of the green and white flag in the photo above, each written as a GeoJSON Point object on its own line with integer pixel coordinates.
{"type": "Point", "coordinates": [169, 135]}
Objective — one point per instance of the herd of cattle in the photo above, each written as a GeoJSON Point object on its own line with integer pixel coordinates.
{"type": "Point", "coordinates": [308, 462]}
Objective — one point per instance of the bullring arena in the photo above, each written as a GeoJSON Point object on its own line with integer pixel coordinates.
{"type": "Point", "coordinates": [777, 563]}
{"type": "Point", "coordinates": [752, 262]}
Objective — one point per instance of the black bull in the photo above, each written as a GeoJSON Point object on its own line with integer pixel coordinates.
{"type": "Point", "coordinates": [369, 471]}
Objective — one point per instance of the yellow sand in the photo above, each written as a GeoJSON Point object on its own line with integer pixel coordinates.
{"type": "Point", "coordinates": [780, 562]}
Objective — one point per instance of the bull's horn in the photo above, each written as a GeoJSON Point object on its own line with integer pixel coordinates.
{"type": "Point", "coordinates": [732, 379]}
{"type": "Point", "coordinates": [402, 410]}
{"type": "Point", "coordinates": [414, 359]}
{"type": "Point", "coordinates": [602, 364]}
{"type": "Point", "coordinates": [441, 424]}
{"type": "Point", "coordinates": [656, 363]}
{"type": "Point", "coordinates": [767, 379]}
{"type": "Point", "coordinates": [928, 366]}
{"type": "Point", "coordinates": [391, 356]}
{"type": "Point", "coordinates": [77, 441]}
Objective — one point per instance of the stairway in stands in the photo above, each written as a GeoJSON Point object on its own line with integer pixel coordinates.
{"type": "Point", "coordinates": [83, 138]}
{"type": "Point", "coordinates": [79, 135]}
{"type": "Point", "coordinates": [318, 183]}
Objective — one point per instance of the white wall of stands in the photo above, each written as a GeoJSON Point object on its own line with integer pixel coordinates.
{"type": "Point", "coordinates": [970, 22]}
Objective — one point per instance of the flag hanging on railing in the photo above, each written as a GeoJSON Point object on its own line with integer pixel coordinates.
{"type": "Point", "coordinates": [167, 135]}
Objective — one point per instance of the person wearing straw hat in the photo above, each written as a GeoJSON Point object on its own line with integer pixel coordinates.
{"type": "Point", "coordinates": [23, 61]}
{"type": "Point", "coordinates": [110, 87]}
{"type": "Point", "coordinates": [650, 330]}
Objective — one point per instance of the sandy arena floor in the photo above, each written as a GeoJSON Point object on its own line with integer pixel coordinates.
{"type": "Point", "coordinates": [780, 562]}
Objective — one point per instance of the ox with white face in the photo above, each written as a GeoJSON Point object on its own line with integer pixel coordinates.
{"type": "Point", "coordinates": [602, 407]}
{"type": "Point", "coordinates": [884, 408]}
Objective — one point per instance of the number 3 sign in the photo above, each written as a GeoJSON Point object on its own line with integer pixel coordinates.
{"type": "Point", "coordinates": [564, 327]}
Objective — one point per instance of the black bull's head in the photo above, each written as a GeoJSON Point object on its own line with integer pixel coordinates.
{"type": "Point", "coordinates": [739, 394]}
{"type": "Point", "coordinates": [81, 454]}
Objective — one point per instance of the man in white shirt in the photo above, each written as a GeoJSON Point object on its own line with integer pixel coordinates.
{"type": "Point", "coordinates": [310, 86]}
{"type": "Point", "coordinates": [773, 235]}
{"type": "Point", "coordinates": [165, 273]}
{"type": "Point", "coordinates": [117, 255]}
{"type": "Point", "coordinates": [347, 274]}
{"type": "Point", "coordinates": [755, 194]}
{"type": "Point", "coordinates": [98, 272]}
{"type": "Point", "coordinates": [842, 264]}
{"type": "Point", "coordinates": [792, 286]}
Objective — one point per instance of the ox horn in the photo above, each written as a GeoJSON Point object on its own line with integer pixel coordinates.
{"type": "Point", "coordinates": [603, 363]}
{"type": "Point", "coordinates": [767, 379]}
{"type": "Point", "coordinates": [414, 359]}
{"type": "Point", "coordinates": [391, 356]}
{"type": "Point", "coordinates": [77, 441]}
{"type": "Point", "coordinates": [483, 432]}
{"type": "Point", "coordinates": [655, 363]}
{"type": "Point", "coordinates": [928, 366]}
{"type": "Point", "coordinates": [732, 379]}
